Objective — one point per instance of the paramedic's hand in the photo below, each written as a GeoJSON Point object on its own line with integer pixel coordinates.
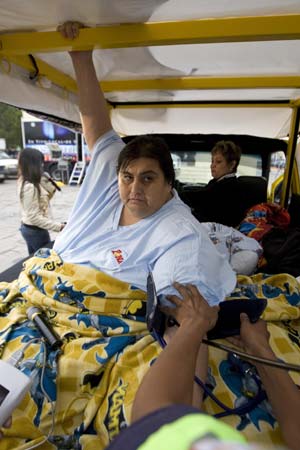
{"type": "Point", "coordinates": [192, 310]}
{"type": "Point", "coordinates": [253, 338]}
{"type": "Point", "coordinates": [7, 424]}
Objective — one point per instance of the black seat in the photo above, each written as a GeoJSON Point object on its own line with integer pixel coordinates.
{"type": "Point", "coordinates": [294, 210]}
{"type": "Point", "coordinates": [253, 190]}
{"type": "Point", "coordinates": [227, 201]}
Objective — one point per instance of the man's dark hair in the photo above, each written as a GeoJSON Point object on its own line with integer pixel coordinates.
{"type": "Point", "coordinates": [229, 150]}
{"type": "Point", "coordinates": [148, 146]}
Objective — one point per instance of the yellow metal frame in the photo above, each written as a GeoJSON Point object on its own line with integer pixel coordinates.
{"type": "Point", "coordinates": [56, 76]}
{"type": "Point", "coordinates": [174, 83]}
{"type": "Point", "coordinates": [190, 83]}
{"type": "Point", "coordinates": [289, 161]}
{"type": "Point", "coordinates": [16, 47]}
{"type": "Point", "coordinates": [271, 194]}
{"type": "Point", "coordinates": [228, 29]}
{"type": "Point", "coordinates": [165, 105]}
{"type": "Point", "coordinates": [295, 179]}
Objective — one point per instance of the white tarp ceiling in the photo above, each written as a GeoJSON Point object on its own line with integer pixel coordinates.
{"type": "Point", "coordinates": [232, 59]}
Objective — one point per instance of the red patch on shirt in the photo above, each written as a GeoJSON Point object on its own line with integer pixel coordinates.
{"type": "Point", "coordinates": [118, 255]}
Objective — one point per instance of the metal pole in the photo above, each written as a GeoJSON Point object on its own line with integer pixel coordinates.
{"type": "Point", "coordinates": [291, 151]}
{"type": "Point", "coordinates": [79, 147]}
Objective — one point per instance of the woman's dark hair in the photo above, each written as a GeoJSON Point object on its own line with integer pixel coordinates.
{"type": "Point", "coordinates": [230, 151]}
{"type": "Point", "coordinates": [30, 167]}
{"type": "Point", "coordinates": [148, 146]}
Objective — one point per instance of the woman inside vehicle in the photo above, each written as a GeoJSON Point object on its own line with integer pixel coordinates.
{"type": "Point", "coordinates": [225, 158]}
{"type": "Point", "coordinates": [35, 191]}
{"type": "Point", "coordinates": [128, 220]}
{"type": "Point", "coordinates": [219, 201]}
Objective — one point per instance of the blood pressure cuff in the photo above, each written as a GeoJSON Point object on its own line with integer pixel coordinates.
{"type": "Point", "coordinates": [178, 427]}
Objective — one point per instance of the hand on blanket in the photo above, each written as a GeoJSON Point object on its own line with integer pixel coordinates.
{"type": "Point", "coordinates": [7, 424]}
{"type": "Point", "coordinates": [253, 338]}
{"type": "Point", "coordinates": [193, 311]}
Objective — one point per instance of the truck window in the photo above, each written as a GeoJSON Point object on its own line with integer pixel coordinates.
{"type": "Point", "coordinates": [194, 167]}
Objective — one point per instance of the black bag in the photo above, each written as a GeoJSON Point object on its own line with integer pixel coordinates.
{"type": "Point", "coordinates": [282, 251]}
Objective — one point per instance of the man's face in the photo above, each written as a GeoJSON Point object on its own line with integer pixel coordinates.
{"type": "Point", "coordinates": [143, 189]}
{"type": "Point", "coordinates": [219, 166]}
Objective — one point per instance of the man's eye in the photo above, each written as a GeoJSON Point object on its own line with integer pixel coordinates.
{"type": "Point", "coordinates": [127, 178]}
{"type": "Point", "coordinates": [148, 179]}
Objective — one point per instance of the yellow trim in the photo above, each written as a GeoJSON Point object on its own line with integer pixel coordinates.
{"type": "Point", "coordinates": [295, 179]}
{"type": "Point", "coordinates": [228, 29]}
{"type": "Point", "coordinates": [185, 83]}
{"type": "Point", "coordinates": [295, 102]}
{"type": "Point", "coordinates": [56, 76]}
{"type": "Point", "coordinates": [289, 161]}
{"type": "Point", "coordinates": [271, 195]}
{"type": "Point", "coordinates": [202, 105]}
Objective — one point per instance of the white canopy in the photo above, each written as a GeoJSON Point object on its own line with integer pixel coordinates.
{"type": "Point", "coordinates": [197, 55]}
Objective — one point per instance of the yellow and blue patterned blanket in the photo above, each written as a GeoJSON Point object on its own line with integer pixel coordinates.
{"type": "Point", "coordinates": [107, 350]}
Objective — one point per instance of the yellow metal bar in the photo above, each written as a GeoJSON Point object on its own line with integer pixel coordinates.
{"type": "Point", "coordinates": [229, 29]}
{"type": "Point", "coordinates": [290, 157]}
{"type": "Point", "coordinates": [185, 83]}
{"type": "Point", "coordinates": [201, 105]}
{"type": "Point", "coordinates": [271, 194]}
{"type": "Point", "coordinates": [56, 76]}
{"type": "Point", "coordinates": [295, 102]}
{"type": "Point", "coordinates": [295, 179]}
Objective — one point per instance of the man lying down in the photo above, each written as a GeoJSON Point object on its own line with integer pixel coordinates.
{"type": "Point", "coordinates": [127, 221]}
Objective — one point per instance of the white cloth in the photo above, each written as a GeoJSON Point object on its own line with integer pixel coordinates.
{"type": "Point", "coordinates": [171, 242]}
{"type": "Point", "coordinates": [35, 207]}
{"type": "Point", "coordinates": [241, 251]}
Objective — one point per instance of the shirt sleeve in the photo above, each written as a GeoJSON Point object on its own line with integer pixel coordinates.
{"type": "Point", "coordinates": [32, 210]}
{"type": "Point", "coordinates": [194, 260]}
{"type": "Point", "coordinates": [101, 176]}
{"type": "Point", "coordinates": [100, 185]}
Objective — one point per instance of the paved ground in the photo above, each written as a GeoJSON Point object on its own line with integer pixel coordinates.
{"type": "Point", "coordinates": [12, 245]}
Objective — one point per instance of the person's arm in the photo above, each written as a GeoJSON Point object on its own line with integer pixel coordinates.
{"type": "Point", "coordinates": [201, 367]}
{"type": "Point", "coordinates": [204, 267]}
{"type": "Point", "coordinates": [283, 394]}
{"type": "Point", "coordinates": [160, 387]}
{"type": "Point", "coordinates": [92, 104]}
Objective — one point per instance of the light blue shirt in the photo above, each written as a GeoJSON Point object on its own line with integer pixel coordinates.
{"type": "Point", "coordinates": [171, 242]}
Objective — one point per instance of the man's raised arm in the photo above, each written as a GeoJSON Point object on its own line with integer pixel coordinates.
{"type": "Point", "coordinates": [92, 104]}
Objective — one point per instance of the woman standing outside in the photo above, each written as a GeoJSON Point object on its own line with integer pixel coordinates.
{"type": "Point", "coordinates": [35, 190]}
